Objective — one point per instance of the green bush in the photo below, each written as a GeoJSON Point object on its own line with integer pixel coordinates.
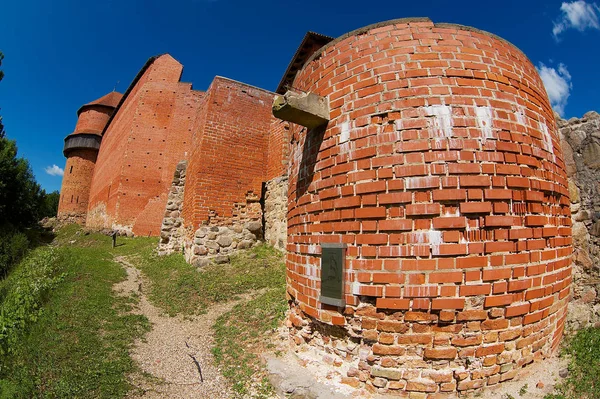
{"type": "Point", "coordinates": [23, 293]}
{"type": "Point", "coordinates": [13, 245]}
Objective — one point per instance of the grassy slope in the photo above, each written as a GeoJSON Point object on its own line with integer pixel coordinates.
{"type": "Point", "coordinates": [76, 343]}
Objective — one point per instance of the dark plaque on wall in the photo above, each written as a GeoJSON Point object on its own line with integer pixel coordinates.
{"type": "Point", "coordinates": [333, 260]}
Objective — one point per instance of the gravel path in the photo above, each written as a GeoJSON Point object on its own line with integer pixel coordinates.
{"type": "Point", "coordinates": [174, 357]}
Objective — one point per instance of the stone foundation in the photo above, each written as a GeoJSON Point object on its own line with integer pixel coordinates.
{"type": "Point", "coordinates": [425, 353]}
{"type": "Point", "coordinates": [216, 243]}
{"type": "Point", "coordinates": [172, 232]}
{"type": "Point", "coordinates": [65, 218]}
{"type": "Point", "coordinates": [275, 214]}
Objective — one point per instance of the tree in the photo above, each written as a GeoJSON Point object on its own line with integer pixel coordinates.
{"type": "Point", "coordinates": [20, 195]}
{"type": "Point", "coordinates": [1, 77]}
{"type": "Point", "coordinates": [49, 205]}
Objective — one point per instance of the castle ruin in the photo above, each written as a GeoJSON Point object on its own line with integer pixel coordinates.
{"type": "Point", "coordinates": [418, 163]}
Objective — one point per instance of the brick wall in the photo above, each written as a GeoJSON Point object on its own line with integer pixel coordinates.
{"type": "Point", "coordinates": [93, 119]}
{"type": "Point", "coordinates": [150, 133]}
{"type": "Point", "coordinates": [75, 190]}
{"type": "Point", "coordinates": [442, 172]}
{"type": "Point", "coordinates": [228, 164]}
{"type": "Point", "coordinates": [278, 150]}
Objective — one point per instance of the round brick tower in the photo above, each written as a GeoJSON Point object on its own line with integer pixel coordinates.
{"type": "Point", "coordinates": [441, 175]}
{"type": "Point", "coordinates": [81, 150]}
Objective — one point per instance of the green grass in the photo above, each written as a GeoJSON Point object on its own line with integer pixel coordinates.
{"type": "Point", "coordinates": [66, 335]}
{"type": "Point", "coordinates": [242, 334]}
{"type": "Point", "coordinates": [179, 288]}
{"type": "Point", "coordinates": [583, 381]}
{"type": "Point", "coordinates": [73, 334]}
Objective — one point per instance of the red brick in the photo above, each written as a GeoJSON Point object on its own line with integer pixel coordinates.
{"type": "Point", "coordinates": [496, 221]}
{"type": "Point", "coordinates": [535, 220]}
{"type": "Point", "coordinates": [394, 198]}
{"type": "Point", "coordinates": [393, 303]}
{"type": "Point", "coordinates": [473, 314]}
{"type": "Point", "coordinates": [479, 289]}
{"type": "Point", "coordinates": [487, 350]}
{"type": "Point", "coordinates": [446, 277]}
{"type": "Point", "coordinates": [497, 194]}
{"type": "Point", "coordinates": [370, 213]}
{"type": "Point", "coordinates": [448, 303]}
{"type": "Point", "coordinates": [517, 310]}
{"type": "Point", "coordinates": [447, 353]}
{"type": "Point", "coordinates": [475, 207]}
{"type": "Point", "coordinates": [395, 225]}
{"type": "Point", "coordinates": [498, 300]}
{"type": "Point", "coordinates": [423, 209]}
{"type": "Point", "coordinates": [449, 195]}
{"type": "Point", "coordinates": [475, 181]}
{"type": "Point", "coordinates": [449, 222]}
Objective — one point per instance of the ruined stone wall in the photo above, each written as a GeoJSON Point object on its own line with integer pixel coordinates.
{"type": "Point", "coordinates": [581, 143]}
{"type": "Point", "coordinates": [441, 170]}
{"type": "Point", "coordinates": [172, 231]}
{"type": "Point", "coordinates": [275, 213]}
{"type": "Point", "coordinates": [149, 134]}
{"type": "Point", "coordinates": [275, 201]}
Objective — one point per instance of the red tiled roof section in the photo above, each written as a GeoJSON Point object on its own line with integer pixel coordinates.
{"type": "Point", "coordinates": [311, 43]}
{"type": "Point", "coordinates": [110, 100]}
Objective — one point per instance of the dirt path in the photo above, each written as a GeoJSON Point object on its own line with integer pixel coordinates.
{"type": "Point", "coordinates": [174, 357]}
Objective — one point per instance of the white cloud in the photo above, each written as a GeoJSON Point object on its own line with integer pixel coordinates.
{"type": "Point", "coordinates": [578, 15]}
{"type": "Point", "coordinates": [558, 85]}
{"type": "Point", "coordinates": [54, 170]}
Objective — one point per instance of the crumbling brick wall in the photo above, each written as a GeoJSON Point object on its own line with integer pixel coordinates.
{"type": "Point", "coordinates": [441, 170]}
{"type": "Point", "coordinates": [229, 154]}
{"type": "Point", "coordinates": [227, 168]}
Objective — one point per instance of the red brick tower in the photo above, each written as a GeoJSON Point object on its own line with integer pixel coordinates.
{"type": "Point", "coordinates": [81, 150]}
{"type": "Point", "coordinates": [440, 172]}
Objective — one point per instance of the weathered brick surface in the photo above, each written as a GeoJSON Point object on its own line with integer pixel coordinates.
{"type": "Point", "coordinates": [74, 193]}
{"type": "Point", "coordinates": [75, 190]}
{"type": "Point", "coordinates": [92, 119]}
{"type": "Point", "coordinates": [442, 172]}
{"type": "Point", "coordinates": [149, 134]}
{"type": "Point", "coordinates": [228, 158]}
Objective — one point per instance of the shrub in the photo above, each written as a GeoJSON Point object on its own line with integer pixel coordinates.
{"type": "Point", "coordinates": [23, 293]}
{"type": "Point", "coordinates": [13, 245]}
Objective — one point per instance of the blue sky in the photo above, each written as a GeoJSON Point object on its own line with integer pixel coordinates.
{"type": "Point", "coordinates": [61, 54]}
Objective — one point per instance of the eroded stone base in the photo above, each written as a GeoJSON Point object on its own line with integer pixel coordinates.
{"type": "Point", "coordinates": [216, 243]}
{"type": "Point", "coordinates": [431, 355]}
{"type": "Point", "coordinates": [172, 231]}
{"type": "Point", "coordinates": [275, 213]}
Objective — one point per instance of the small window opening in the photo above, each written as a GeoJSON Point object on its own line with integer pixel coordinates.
{"type": "Point", "coordinates": [71, 170]}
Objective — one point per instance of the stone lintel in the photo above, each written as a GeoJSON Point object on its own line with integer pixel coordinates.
{"type": "Point", "coordinates": [306, 109]}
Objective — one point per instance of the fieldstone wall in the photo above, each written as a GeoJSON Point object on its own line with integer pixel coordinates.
{"type": "Point", "coordinates": [216, 243]}
{"type": "Point", "coordinates": [172, 232]}
{"type": "Point", "coordinates": [581, 145]}
{"type": "Point", "coordinates": [275, 215]}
